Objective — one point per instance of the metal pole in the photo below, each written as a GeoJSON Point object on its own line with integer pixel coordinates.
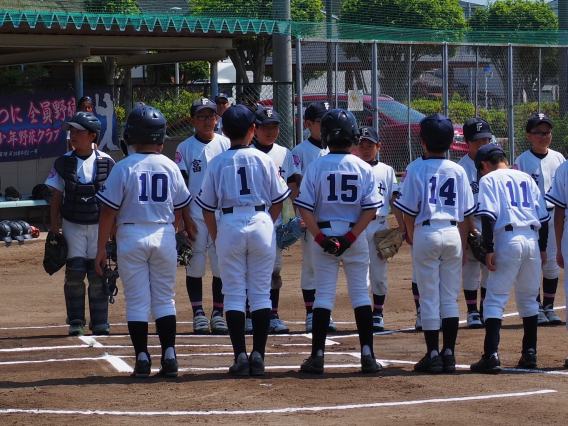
{"type": "Point", "coordinates": [409, 99]}
{"type": "Point", "coordinates": [329, 49]}
{"type": "Point", "coordinates": [336, 72]}
{"type": "Point", "coordinates": [511, 117]}
{"type": "Point", "coordinates": [476, 69]}
{"type": "Point", "coordinates": [78, 79]}
{"type": "Point", "coordinates": [445, 94]}
{"type": "Point", "coordinates": [539, 74]}
{"type": "Point", "coordinates": [214, 78]}
{"type": "Point", "coordinates": [374, 86]}
{"type": "Point", "coordinates": [127, 90]}
{"type": "Point", "coordinates": [176, 77]}
{"type": "Point", "coordinates": [299, 94]}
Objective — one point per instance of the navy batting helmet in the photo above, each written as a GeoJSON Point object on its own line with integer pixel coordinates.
{"type": "Point", "coordinates": [16, 230]}
{"type": "Point", "coordinates": [339, 125]}
{"type": "Point", "coordinates": [145, 125]}
{"type": "Point", "coordinates": [84, 121]}
{"type": "Point", "coordinates": [5, 232]}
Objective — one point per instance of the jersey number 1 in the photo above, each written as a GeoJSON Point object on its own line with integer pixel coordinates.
{"type": "Point", "coordinates": [242, 172]}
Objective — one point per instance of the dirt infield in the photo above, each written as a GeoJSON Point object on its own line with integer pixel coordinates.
{"type": "Point", "coordinates": [49, 378]}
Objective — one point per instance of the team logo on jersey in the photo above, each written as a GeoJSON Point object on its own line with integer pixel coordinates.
{"type": "Point", "coordinates": [296, 160]}
{"type": "Point", "coordinates": [103, 189]}
{"type": "Point", "coordinates": [178, 158]}
{"type": "Point", "coordinates": [196, 166]}
{"type": "Point", "coordinates": [381, 188]}
{"type": "Point", "coordinates": [535, 177]}
{"type": "Point", "coordinates": [474, 187]}
{"type": "Point", "coordinates": [326, 105]}
{"type": "Point", "coordinates": [52, 173]}
{"type": "Point", "coordinates": [478, 125]}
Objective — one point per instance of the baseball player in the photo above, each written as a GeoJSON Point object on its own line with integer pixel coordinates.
{"type": "Point", "coordinates": [145, 193]}
{"type": "Point", "coordinates": [84, 104]}
{"type": "Point", "coordinates": [387, 187]}
{"type": "Point", "coordinates": [222, 102]}
{"type": "Point", "coordinates": [304, 154]}
{"type": "Point", "coordinates": [243, 183]}
{"type": "Point", "coordinates": [541, 163]}
{"type": "Point", "coordinates": [193, 156]}
{"type": "Point", "coordinates": [338, 199]}
{"type": "Point", "coordinates": [75, 179]}
{"type": "Point", "coordinates": [267, 131]}
{"type": "Point", "coordinates": [477, 133]}
{"type": "Point", "coordinates": [512, 209]}
{"type": "Point", "coordinates": [435, 196]}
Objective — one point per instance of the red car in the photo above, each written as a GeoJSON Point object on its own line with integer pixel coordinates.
{"type": "Point", "coordinates": [393, 128]}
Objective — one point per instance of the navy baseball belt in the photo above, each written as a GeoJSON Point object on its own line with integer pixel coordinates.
{"type": "Point", "coordinates": [510, 227]}
{"type": "Point", "coordinates": [229, 210]}
{"type": "Point", "coordinates": [327, 224]}
{"type": "Point", "coordinates": [427, 222]}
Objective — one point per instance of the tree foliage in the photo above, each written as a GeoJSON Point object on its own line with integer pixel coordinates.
{"type": "Point", "coordinates": [22, 79]}
{"type": "Point", "coordinates": [250, 53]}
{"type": "Point", "coordinates": [392, 58]}
{"type": "Point", "coordinates": [514, 16]}
{"type": "Point", "coordinates": [125, 7]}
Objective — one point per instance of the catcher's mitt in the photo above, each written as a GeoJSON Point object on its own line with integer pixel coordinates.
{"type": "Point", "coordinates": [110, 273]}
{"type": "Point", "coordinates": [388, 242]}
{"type": "Point", "coordinates": [184, 248]}
{"type": "Point", "coordinates": [55, 252]}
{"type": "Point", "coordinates": [288, 234]}
{"type": "Point", "coordinates": [475, 244]}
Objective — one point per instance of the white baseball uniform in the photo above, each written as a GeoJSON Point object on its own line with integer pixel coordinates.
{"type": "Point", "coordinates": [304, 154]}
{"type": "Point", "coordinates": [387, 185]}
{"type": "Point", "coordinates": [284, 162]}
{"type": "Point", "coordinates": [542, 170]}
{"type": "Point", "coordinates": [193, 157]}
{"type": "Point", "coordinates": [437, 193]}
{"type": "Point", "coordinates": [512, 199]}
{"type": "Point", "coordinates": [145, 189]}
{"type": "Point", "coordinates": [337, 188]}
{"type": "Point", "coordinates": [243, 183]}
{"type": "Point", "coordinates": [472, 267]}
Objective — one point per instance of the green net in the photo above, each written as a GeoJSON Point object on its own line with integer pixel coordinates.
{"type": "Point", "coordinates": [427, 21]}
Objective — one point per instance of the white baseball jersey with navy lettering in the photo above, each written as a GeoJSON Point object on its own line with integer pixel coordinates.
{"type": "Point", "coordinates": [541, 170]}
{"type": "Point", "coordinates": [473, 177]}
{"type": "Point", "coordinates": [338, 186]}
{"type": "Point", "coordinates": [435, 189]}
{"type": "Point", "coordinates": [306, 153]}
{"type": "Point", "coordinates": [145, 189]}
{"type": "Point", "coordinates": [193, 157]}
{"type": "Point", "coordinates": [85, 171]}
{"type": "Point", "coordinates": [387, 185]}
{"type": "Point", "coordinates": [511, 197]}
{"type": "Point", "coordinates": [284, 162]}
{"type": "Point", "coordinates": [241, 176]}
{"type": "Point", "coordinates": [558, 192]}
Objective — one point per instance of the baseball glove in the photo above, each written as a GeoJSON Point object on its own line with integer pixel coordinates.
{"type": "Point", "coordinates": [184, 248]}
{"type": "Point", "coordinates": [55, 252]}
{"type": "Point", "coordinates": [475, 244]}
{"type": "Point", "coordinates": [288, 234]}
{"type": "Point", "coordinates": [388, 242]}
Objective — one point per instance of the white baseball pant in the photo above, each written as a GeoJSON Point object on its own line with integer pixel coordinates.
{"type": "Point", "coordinates": [81, 239]}
{"type": "Point", "coordinates": [307, 281]}
{"type": "Point", "coordinates": [438, 262]}
{"type": "Point", "coordinates": [377, 266]}
{"type": "Point", "coordinates": [565, 257]}
{"type": "Point", "coordinates": [147, 261]}
{"type": "Point", "coordinates": [518, 264]}
{"type": "Point", "coordinates": [202, 245]}
{"type": "Point", "coordinates": [550, 270]}
{"type": "Point", "coordinates": [246, 248]}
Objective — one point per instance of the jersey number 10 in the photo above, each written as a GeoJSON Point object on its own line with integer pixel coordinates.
{"type": "Point", "coordinates": [158, 187]}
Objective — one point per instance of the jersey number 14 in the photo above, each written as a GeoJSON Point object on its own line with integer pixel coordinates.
{"type": "Point", "coordinates": [447, 191]}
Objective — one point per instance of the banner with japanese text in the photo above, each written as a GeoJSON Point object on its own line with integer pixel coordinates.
{"type": "Point", "coordinates": [30, 124]}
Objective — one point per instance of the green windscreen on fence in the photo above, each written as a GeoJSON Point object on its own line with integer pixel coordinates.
{"type": "Point", "coordinates": [427, 21]}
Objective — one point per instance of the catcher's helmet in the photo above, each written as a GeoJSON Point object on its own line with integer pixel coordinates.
{"type": "Point", "coordinates": [145, 125]}
{"type": "Point", "coordinates": [5, 232]}
{"type": "Point", "coordinates": [16, 230]}
{"type": "Point", "coordinates": [339, 125]}
{"type": "Point", "coordinates": [84, 121]}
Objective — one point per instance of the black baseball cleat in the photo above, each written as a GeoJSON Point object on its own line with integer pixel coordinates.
{"type": "Point", "coordinates": [241, 367]}
{"type": "Point", "coordinates": [256, 366]}
{"type": "Point", "coordinates": [490, 365]}
{"type": "Point", "coordinates": [370, 365]}
{"type": "Point", "coordinates": [528, 360]}
{"type": "Point", "coordinates": [313, 365]}
{"type": "Point", "coordinates": [142, 369]}
{"type": "Point", "coordinates": [449, 362]}
{"type": "Point", "coordinates": [169, 367]}
{"type": "Point", "coordinates": [434, 365]}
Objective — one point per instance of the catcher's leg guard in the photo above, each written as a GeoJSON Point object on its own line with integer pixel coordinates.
{"type": "Point", "coordinates": [98, 300]}
{"type": "Point", "coordinates": [74, 289]}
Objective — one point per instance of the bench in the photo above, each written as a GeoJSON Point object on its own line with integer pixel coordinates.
{"type": "Point", "coordinates": [29, 204]}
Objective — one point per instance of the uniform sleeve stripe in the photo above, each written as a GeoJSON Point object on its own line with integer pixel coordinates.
{"type": "Point", "coordinates": [405, 209]}
{"type": "Point", "coordinates": [182, 205]}
{"type": "Point", "coordinates": [300, 203]}
{"type": "Point", "coordinates": [372, 205]}
{"type": "Point", "coordinates": [204, 206]}
{"type": "Point", "coordinates": [545, 219]}
{"type": "Point", "coordinates": [554, 201]}
{"type": "Point", "coordinates": [486, 213]}
{"type": "Point", "coordinates": [282, 197]}
{"type": "Point", "coordinates": [107, 202]}
{"type": "Point", "coordinates": [470, 211]}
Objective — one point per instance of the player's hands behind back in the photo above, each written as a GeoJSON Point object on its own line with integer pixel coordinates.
{"type": "Point", "coordinates": [544, 258]}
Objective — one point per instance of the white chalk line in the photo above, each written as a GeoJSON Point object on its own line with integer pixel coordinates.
{"type": "Point", "coordinates": [286, 410]}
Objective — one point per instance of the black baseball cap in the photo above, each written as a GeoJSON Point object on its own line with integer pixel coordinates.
{"type": "Point", "coordinates": [535, 120]}
{"type": "Point", "coordinates": [369, 132]}
{"type": "Point", "coordinates": [221, 96]}
{"type": "Point", "coordinates": [476, 128]}
{"type": "Point", "coordinates": [316, 110]}
{"type": "Point", "coordinates": [485, 152]}
{"type": "Point", "coordinates": [239, 117]}
{"type": "Point", "coordinates": [265, 116]}
{"type": "Point", "coordinates": [437, 128]}
{"type": "Point", "coordinates": [201, 104]}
